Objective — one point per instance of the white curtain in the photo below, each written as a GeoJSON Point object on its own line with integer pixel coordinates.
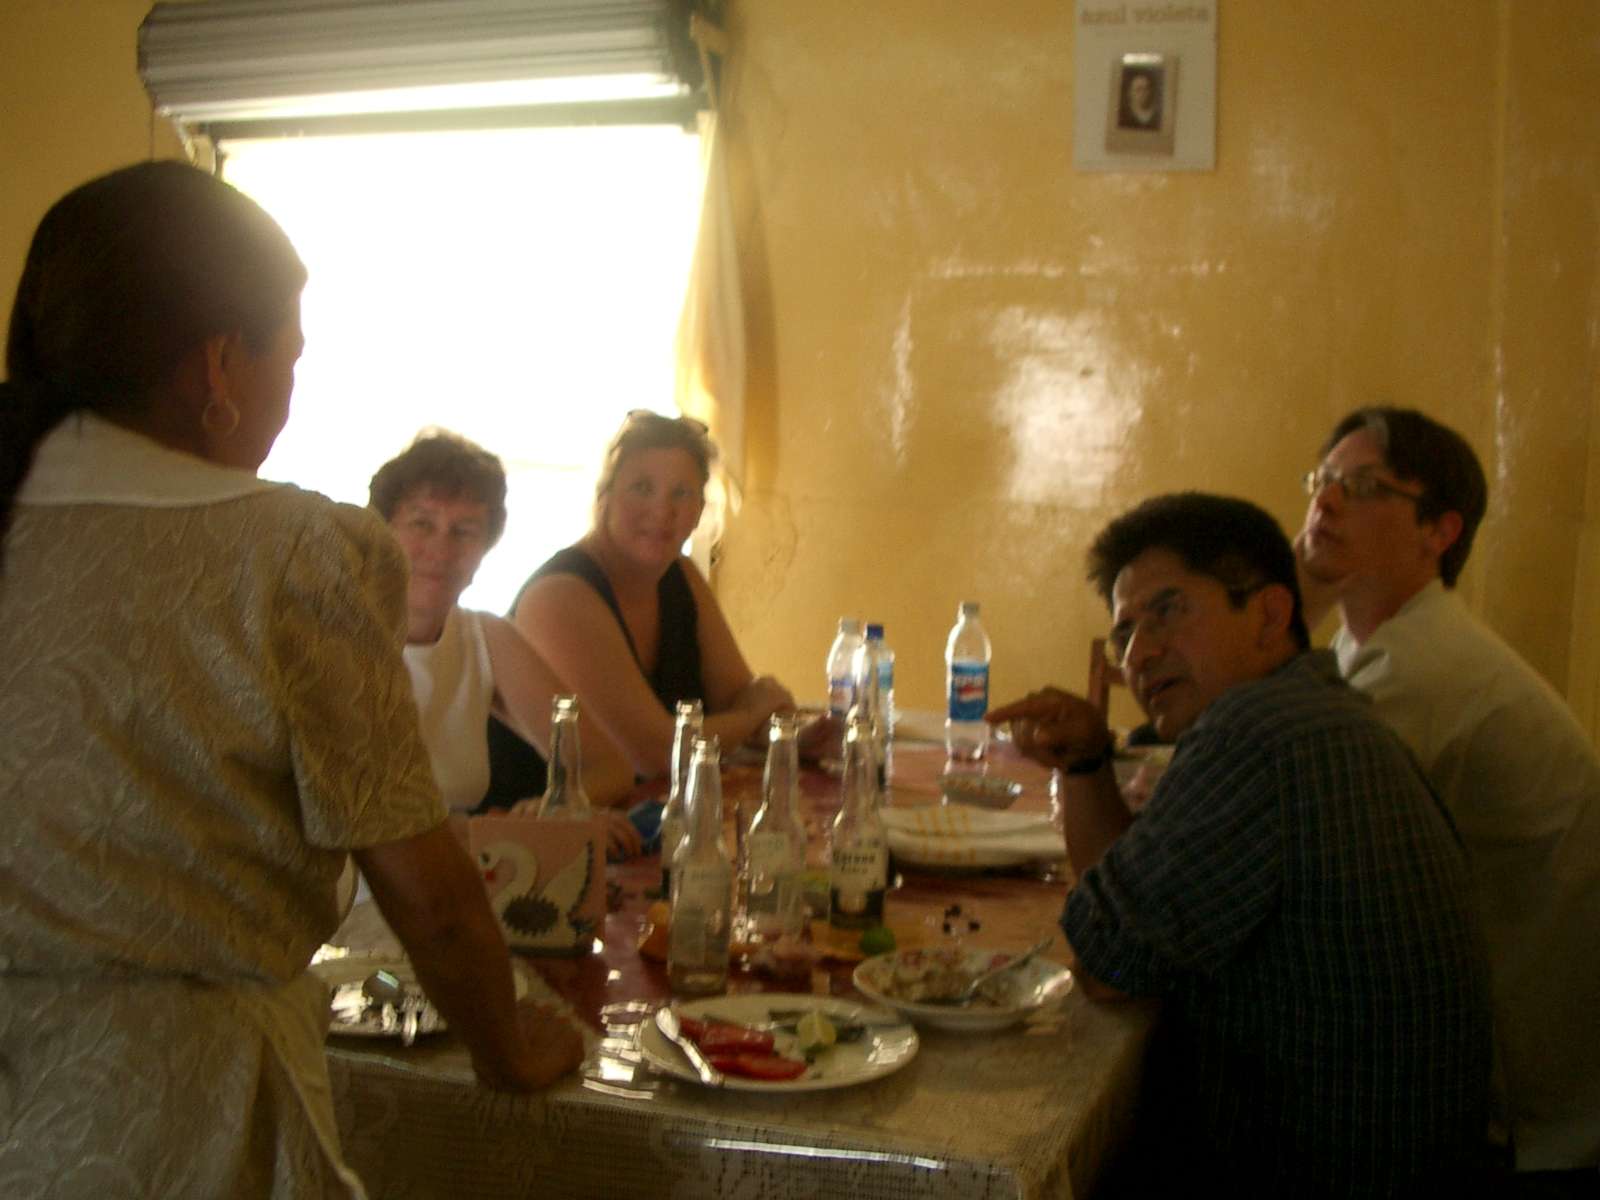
{"type": "Point", "coordinates": [711, 345]}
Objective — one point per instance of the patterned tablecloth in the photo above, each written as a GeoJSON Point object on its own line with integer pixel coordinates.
{"type": "Point", "coordinates": [1034, 1111]}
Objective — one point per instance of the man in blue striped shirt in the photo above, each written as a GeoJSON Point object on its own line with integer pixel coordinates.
{"type": "Point", "coordinates": [1293, 890]}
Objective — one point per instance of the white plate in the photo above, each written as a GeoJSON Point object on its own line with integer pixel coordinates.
{"type": "Point", "coordinates": [967, 837]}
{"type": "Point", "coordinates": [1036, 984]}
{"type": "Point", "coordinates": [887, 1045]}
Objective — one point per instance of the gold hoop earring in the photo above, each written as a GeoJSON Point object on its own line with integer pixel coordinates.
{"type": "Point", "coordinates": [212, 423]}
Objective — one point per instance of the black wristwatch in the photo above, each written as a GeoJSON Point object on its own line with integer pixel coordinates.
{"type": "Point", "coordinates": [1088, 766]}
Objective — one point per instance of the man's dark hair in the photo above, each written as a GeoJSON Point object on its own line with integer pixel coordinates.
{"type": "Point", "coordinates": [1232, 541]}
{"type": "Point", "coordinates": [1420, 450]}
{"type": "Point", "coordinates": [447, 465]}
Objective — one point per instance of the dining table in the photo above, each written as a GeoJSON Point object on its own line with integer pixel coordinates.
{"type": "Point", "coordinates": [1038, 1110]}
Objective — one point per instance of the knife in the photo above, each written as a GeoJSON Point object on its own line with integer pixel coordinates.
{"type": "Point", "coordinates": [667, 1023]}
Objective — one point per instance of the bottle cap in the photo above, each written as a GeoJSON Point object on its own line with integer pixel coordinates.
{"type": "Point", "coordinates": [969, 608]}
{"type": "Point", "coordinates": [849, 625]}
{"type": "Point", "coordinates": [874, 631]}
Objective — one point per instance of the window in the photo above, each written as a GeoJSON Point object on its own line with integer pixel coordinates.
{"type": "Point", "coordinates": [520, 287]}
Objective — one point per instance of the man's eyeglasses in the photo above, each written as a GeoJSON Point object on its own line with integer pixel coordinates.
{"type": "Point", "coordinates": [1357, 485]}
{"type": "Point", "coordinates": [1168, 611]}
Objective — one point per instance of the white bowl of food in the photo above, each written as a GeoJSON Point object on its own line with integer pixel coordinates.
{"type": "Point", "coordinates": [917, 983]}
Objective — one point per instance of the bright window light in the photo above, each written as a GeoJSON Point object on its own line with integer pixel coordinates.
{"type": "Point", "coordinates": [520, 287]}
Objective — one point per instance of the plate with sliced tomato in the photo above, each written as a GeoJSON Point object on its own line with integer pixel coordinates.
{"type": "Point", "coordinates": [784, 1042]}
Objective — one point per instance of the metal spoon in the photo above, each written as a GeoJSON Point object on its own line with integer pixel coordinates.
{"type": "Point", "coordinates": [410, 1015]}
{"type": "Point", "coordinates": [667, 1023]}
{"type": "Point", "coordinates": [971, 990]}
{"type": "Point", "coordinates": [384, 988]}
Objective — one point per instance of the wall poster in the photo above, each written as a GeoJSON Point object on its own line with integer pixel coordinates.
{"type": "Point", "coordinates": [1146, 85]}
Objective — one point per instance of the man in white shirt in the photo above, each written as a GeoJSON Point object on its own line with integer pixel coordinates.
{"type": "Point", "coordinates": [1394, 505]}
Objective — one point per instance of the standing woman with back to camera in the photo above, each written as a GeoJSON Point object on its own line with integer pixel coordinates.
{"type": "Point", "coordinates": [205, 712]}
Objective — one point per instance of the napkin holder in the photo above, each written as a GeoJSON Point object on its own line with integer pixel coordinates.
{"type": "Point", "coordinates": [545, 879]}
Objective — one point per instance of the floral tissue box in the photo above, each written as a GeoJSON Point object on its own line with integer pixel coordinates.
{"type": "Point", "coordinates": [546, 879]}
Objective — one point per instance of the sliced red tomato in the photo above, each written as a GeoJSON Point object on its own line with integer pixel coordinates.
{"type": "Point", "coordinates": [772, 1067]}
{"type": "Point", "coordinates": [724, 1037]}
{"type": "Point", "coordinates": [718, 1038]}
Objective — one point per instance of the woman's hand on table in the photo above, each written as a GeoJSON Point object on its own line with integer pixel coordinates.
{"type": "Point", "coordinates": [432, 895]}
{"type": "Point", "coordinates": [743, 720]}
{"type": "Point", "coordinates": [553, 1049]}
{"type": "Point", "coordinates": [622, 837]}
{"type": "Point", "coordinates": [1056, 728]}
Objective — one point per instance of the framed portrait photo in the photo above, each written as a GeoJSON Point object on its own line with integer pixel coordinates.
{"type": "Point", "coordinates": [1142, 110]}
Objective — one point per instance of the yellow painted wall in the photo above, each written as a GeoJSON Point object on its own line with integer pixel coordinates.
{"type": "Point", "coordinates": [71, 108]}
{"type": "Point", "coordinates": [1545, 532]}
{"type": "Point", "coordinates": [966, 356]}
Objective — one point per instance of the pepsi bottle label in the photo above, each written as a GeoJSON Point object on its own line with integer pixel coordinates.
{"type": "Point", "coordinates": [969, 691]}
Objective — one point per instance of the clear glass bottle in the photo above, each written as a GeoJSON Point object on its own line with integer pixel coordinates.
{"type": "Point", "coordinates": [702, 885]}
{"type": "Point", "coordinates": [858, 873]}
{"type": "Point", "coordinates": [564, 795]}
{"type": "Point", "coordinates": [690, 718]}
{"type": "Point", "coordinates": [774, 852]}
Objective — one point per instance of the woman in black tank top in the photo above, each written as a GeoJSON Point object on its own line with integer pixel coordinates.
{"type": "Point", "coordinates": [628, 621]}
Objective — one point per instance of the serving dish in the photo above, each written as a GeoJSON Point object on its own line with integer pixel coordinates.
{"type": "Point", "coordinates": [1006, 1001]}
{"type": "Point", "coordinates": [982, 791]}
{"type": "Point", "coordinates": [352, 1014]}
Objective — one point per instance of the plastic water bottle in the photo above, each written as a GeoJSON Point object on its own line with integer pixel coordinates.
{"type": "Point", "coordinates": [841, 668]}
{"type": "Point", "coordinates": [966, 678]}
{"type": "Point", "coordinates": [564, 795]}
{"type": "Point", "coordinates": [774, 853]}
{"type": "Point", "coordinates": [858, 871]}
{"type": "Point", "coordinates": [702, 885]}
{"type": "Point", "coordinates": [869, 701]}
{"type": "Point", "coordinates": [690, 718]}
{"type": "Point", "coordinates": [885, 659]}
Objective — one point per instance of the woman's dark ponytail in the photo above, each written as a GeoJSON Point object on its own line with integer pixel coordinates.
{"type": "Point", "coordinates": [28, 412]}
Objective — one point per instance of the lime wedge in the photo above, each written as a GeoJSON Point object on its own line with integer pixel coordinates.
{"type": "Point", "coordinates": [815, 1032]}
{"type": "Point", "coordinates": [877, 940]}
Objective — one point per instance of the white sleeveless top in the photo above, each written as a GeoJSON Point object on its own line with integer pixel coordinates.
{"type": "Point", "coordinates": [454, 685]}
